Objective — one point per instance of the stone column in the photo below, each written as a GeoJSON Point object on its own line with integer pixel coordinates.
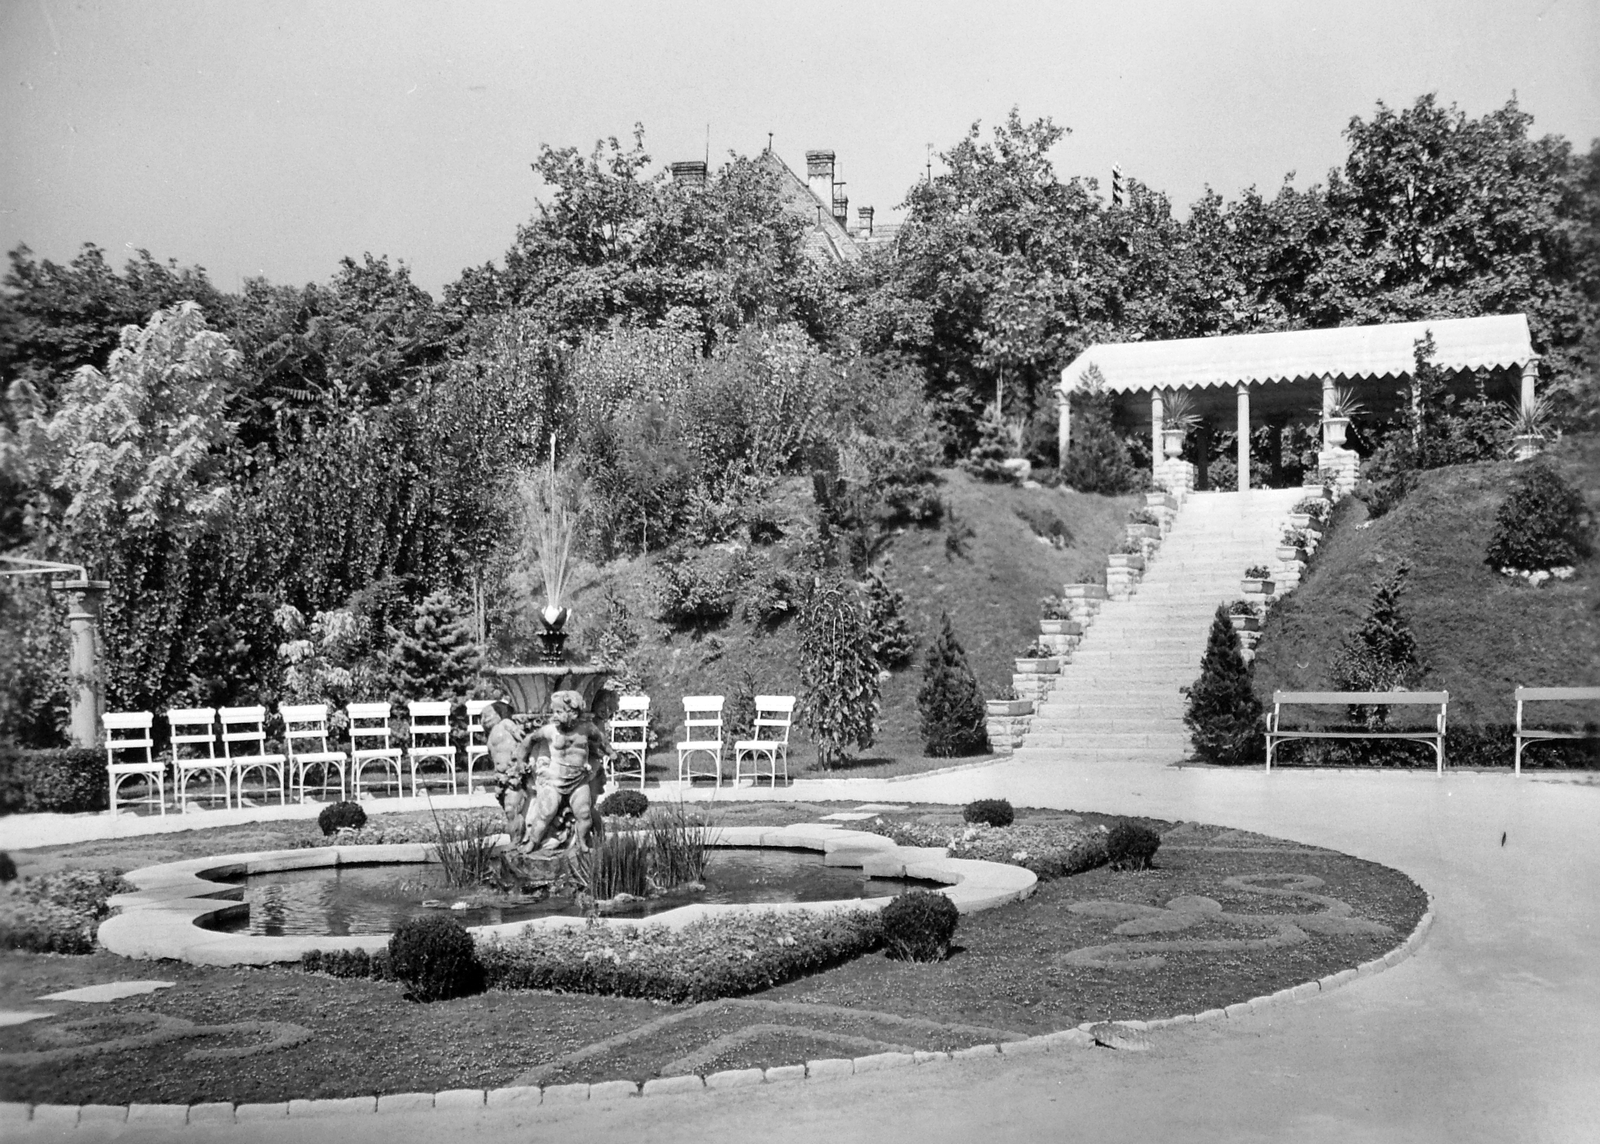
{"type": "Point", "coordinates": [1063, 421]}
{"type": "Point", "coordinates": [1327, 404]}
{"type": "Point", "coordinates": [1530, 376]}
{"type": "Point", "coordinates": [1243, 392]}
{"type": "Point", "coordinates": [88, 689]}
{"type": "Point", "coordinates": [1156, 413]}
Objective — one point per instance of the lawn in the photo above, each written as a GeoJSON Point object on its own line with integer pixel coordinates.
{"type": "Point", "coordinates": [1025, 968]}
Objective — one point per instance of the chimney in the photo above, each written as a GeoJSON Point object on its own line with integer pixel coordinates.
{"type": "Point", "coordinates": [690, 174]}
{"type": "Point", "coordinates": [865, 214]}
{"type": "Point", "coordinates": [819, 176]}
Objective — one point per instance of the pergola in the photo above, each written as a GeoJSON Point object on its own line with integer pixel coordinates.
{"type": "Point", "coordinates": [1281, 373]}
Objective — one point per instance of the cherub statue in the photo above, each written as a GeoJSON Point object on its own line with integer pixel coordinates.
{"type": "Point", "coordinates": [571, 776]}
{"type": "Point", "coordinates": [511, 753]}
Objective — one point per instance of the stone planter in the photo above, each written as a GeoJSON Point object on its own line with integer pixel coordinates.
{"type": "Point", "coordinates": [1255, 587]}
{"type": "Point", "coordinates": [1083, 591]}
{"type": "Point", "coordinates": [1008, 708]}
{"type": "Point", "coordinates": [1305, 521]}
{"type": "Point", "coordinates": [1125, 560]}
{"type": "Point", "coordinates": [1171, 442]}
{"type": "Point", "coordinates": [1245, 623]}
{"type": "Point", "coordinates": [1144, 532]}
{"type": "Point", "coordinates": [1526, 446]}
{"type": "Point", "coordinates": [1289, 554]}
{"type": "Point", "coordinates": [1038, 666]}
{"type": "Point", "coordinates": [1333, 430]}
{"type": "Point", "coordinates": [1060, 628]}
{"type": "Point", "coordinates": [1160, 500]}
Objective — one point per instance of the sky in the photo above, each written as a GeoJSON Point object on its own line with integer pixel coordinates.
{"type": "Point", "coordinates": [272, 139]}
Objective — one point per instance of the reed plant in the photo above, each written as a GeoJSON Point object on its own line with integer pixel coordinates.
{"type": "Point", "coordinates": [467, 846]}
{"type": "Point", "coordinates": [620, 864]}
{"type": "Point", "coordinates": [681, 842]}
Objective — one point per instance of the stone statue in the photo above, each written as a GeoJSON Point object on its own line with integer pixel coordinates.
{"type": "Point", "coordinates": [570, 777]}
{"type": "Point", "coordinates": [511, 753]}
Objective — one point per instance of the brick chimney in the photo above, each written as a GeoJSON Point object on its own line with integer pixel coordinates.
{"type": "Point", "coordinates": [819, 176]}
{"type": "Point", "coordinates": [690, 174]}
{"type": "Point", "coordinates": [865, 214]}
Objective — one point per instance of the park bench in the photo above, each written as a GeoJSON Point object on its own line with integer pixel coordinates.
{"type": "Point", "coordinates": [1280, 699]}
{"type": "Point", "coordinates": [1526, 735]}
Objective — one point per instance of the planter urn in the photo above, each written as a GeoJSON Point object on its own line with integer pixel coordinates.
{"type": "Point", "coordinates": [1256, 587]}
{"type": "Point", "coordinates": [1144, 532]}
{"type": "Point", "coordinates": [1083, 591]}
{"type": "Point", "coordinates": [1125, 560]}
{"type": "Point", "coordinates": [1038, 666]}
{"type": "Point", "coordinates": [1334, 429]}
{"type": "Point", "coordinates": [1526, 446]}
{"type": "Point", "coordinates": [1245, 623]}
{"type": "Point", "coordinates": [1171, 442]}
{"type": "Point", "coordinates": [1291, 554]}
{"type": "Point", "coordinates": [1060, 628]}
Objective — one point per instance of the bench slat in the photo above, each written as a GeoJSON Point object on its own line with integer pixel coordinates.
{"type": "Point", "coordinates": [1557, 693]}
{"type": "Point", "coordinates": [1360, 698]}
{"type": "Point", "coordinates": [1418, 736]}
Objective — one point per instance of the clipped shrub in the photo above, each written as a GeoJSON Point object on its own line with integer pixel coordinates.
{"type": "Point", "coordinates": [435, 957]}
{"type": "Point", "coordinates": [341, 816]}
{"type": "Point", "coordinates": [918, 926]}
{"type": "Point", "coordinates": [58, 780]}
{"type": "Point", "coordinates": [989, 811]}
{"type": "Point", "coordinates": [1222, 712]}
{"type": "Point", "coordinates": [1131, 846]}
{"type": "Point", "coordinates": [954, 722]}
{"type": "Point", "coordinates": [1543, 524]}
{"type": "Point", "coordinates": [624, 804]}
{"type": "Point", "coordinates": [350, 963]}
{"type": "Point", "coordinates": [8, 868]}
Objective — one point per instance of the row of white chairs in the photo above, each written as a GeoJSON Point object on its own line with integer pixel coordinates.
{"type": "Point", "coordinates": [703, 739]}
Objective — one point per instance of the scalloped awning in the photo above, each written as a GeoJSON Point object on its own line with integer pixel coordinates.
{"type": "Point", "coordinates": [1348, 351]}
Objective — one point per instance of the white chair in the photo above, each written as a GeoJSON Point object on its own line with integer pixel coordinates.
{"type": "Point", "coordinates": [369, 724]}
{"type": "Point", "coordinates": [630, 736]}
{"type": "Point", "coordinates": [478, 742]}
{"type": "Point", "coordinates": [129, 731]}
{"type": "Point", "coordinates": [430, 741]}
{"type": "Point", "coordinates": [244, 742]}
{"type": "Point", "coordinates": [774, 716]}
{"type": "Point", "coordinates": [702, 735]}
{"type": "Point", "coordinates": [305, 725]}
{"type": "Point", "coordinates": [194, 752]}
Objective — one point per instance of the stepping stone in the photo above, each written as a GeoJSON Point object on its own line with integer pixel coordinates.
{"type": "Point", "coordinates": [110, 991]}
{"type": "Point", "coordinates": [879, 807]}
{"type": "Point", "coordinates": [10, 1017]}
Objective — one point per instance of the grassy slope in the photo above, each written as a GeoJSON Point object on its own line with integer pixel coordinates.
{"type": "Point", "coordinates": [1482, 634]}
{"type": "Point", "coordinates": [991, 590]}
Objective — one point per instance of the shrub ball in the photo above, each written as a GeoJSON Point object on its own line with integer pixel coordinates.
{"type": "Point", "coordinates": [918, 926]}
{"type": "Point", "coordinates": [624, 804]}
{"type": "Point", "coordinates": [338, 815]}
{"type": "Point", "coordinates": [989, 811]}
{"type": "Point", "coordinates": [435, 957]}
{"type": "Point", "coordinates": [1131, 846]}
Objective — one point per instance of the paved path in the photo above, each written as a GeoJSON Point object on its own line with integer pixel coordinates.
{"type": "Point", "coordinates": [1491, 1033]}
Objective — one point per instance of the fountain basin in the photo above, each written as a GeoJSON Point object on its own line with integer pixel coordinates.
{"type": "Point", "coordinates": [530, 688]}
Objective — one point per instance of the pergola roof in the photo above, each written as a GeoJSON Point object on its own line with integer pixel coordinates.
{"type": "Point", "coordinates": [1348, 351]}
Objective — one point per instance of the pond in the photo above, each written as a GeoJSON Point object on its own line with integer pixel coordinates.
{"type": "Point", "coordinates": [373, 899]}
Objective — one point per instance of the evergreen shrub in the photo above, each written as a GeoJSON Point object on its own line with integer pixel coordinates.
{"type": "Point", "coordinates": [892, 642]}
{"type": "Point", "coordinates": [918, 926]}
{"type": "Point", "coordinates": [435, 957]}
{"type": "Point", "coordinates": [1381, 654]}
{"type": "Point", "coordinates": [1543, 524]}
{"type": "Point", "coordinates": [624, 804]}
{"type": "Point", "coordinates": [1131, 846]}
{"type": "Point", "coordinates": [341, 816]}
{"type": "Point", "coordinates": [986, 459]}
{"type": "Point", "coordinates": [989, 811]}
{"type": "Point", "coordinates": [1223, 714]}
{"type": "Point", "coordinates": [8, 868]}
{"type": "Point", "coordinates": [954, 722]}
{"type": "Point", "coordinates": [57, 780]}
{"type": "Point", "coordinates": [433, 653]}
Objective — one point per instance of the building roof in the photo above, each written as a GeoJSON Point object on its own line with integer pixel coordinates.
{"type": "Point", "coordinates": [825, 239]}
{"type": "Point", "coordinates": [1348, 351]}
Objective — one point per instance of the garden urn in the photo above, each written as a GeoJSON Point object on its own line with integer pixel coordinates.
{"type": "Point", "coordinates": [1526, 446]}
{"type": "Point", "coordinates": [1333, 430]}
{"type": "Point", "coordinates": [1171, 442]}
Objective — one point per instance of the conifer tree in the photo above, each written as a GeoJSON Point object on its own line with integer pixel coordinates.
{"type": "Point", "coordinates": [1223, 713]}
{"type": "Point", "coordinates": [1381, 654]}
{"type": "Point", "coordinates": [892, 643]}
{"type": "Point", "coordinates": [986, 459]}
{"type": "Point", "coordinates": [953, 718]}
{"type": "Point", "coordinates": [434, 656]}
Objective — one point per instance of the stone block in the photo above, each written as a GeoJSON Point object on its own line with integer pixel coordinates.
{"type": "Point", "coordinates": [405, 1101]}
{"type": "Point", "coordinates": [102, 1114]}
{"type": "Point", "coordinates": [162, 1115]}
{"type": "Point", "coordinates": [15, 1112]}
{"type": "Point", "coordinates": [1211, 1015]}
{"type": "Point", "coordinates": [1334, 980]}
{"type": "Point", "coordinates": [211, 1112]}
{"type": "Point", "coordinates": [672, 1085]}
{"type": "Point", "coordinates": [614, 1090]}
{"type": "Point", "coordinates": [343, 1106]}
{"type": "Point", "coordinates": [523, 1094]}
{"type": "Point", "coordinates": [566, 1093]}
{"type": "Point", "coordinates": [734, 1078]}
{"type": "Point", "coordinates": [877, 1062]}
{"type": "Point", "coordinates": [1068, 1039]}
{"type": "Point", "coordinates": [243, 1112]}
{"type": "Point", "coordinates": [781, 1073]}
{"type": "Point", "coordinates": [1181, 1019]}
{"type": "Point", "coordinates": [459, 1098]}
{"type": "Point", "coordinates": [926, 1058]}
{"type": "Point", "coordinates": [1367, 968]}
{"type": "Point", "coordinates": [1396, 956]}
{"type": "Point", "coordinates": [56, 1115]}
{"type": "Point", "coordinates": [1030, 1047]}
{"type": "Point", "coordinates": [829, 1067]}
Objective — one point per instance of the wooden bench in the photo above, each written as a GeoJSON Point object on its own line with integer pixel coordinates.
{"type": "Point", "coordinates": [1550, 695]}
{"type": "Point", "coordinates": [1281, 699]}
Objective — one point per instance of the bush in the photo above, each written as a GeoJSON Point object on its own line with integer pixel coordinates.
{"type": "Point", "coordinates": [989, 811]}
{"type": "Point", "coordinates": [986, 460]}
{"type": "Point", "coordinates": [892, 642]}
{"type": "Point", "coordinates": [1381, 654]}
{"type": "Point", "coordinates": [918, 926]}
{"type": "Point", "coordinates": [341, 816]}
{"type": "Point", "coordinates": [436, 957]}
{"type": "Point", "coordinates": [624, 804]}
{"type": "Point", "coordinates": [1222, 712]}
{"type": "Point", "coordinates": [1131, 846]}
{"type": "Point", "coordinates": [698, 589]}
{"type": "Point", "coordinates": [56, 913]}
{"type": "Point", "coordinates": [64, 780]}
{"type": "Point", "coordinates": [356, 963]}
{"type": "Point", "coordinates": [716, 957]}
{"type": "Point", "coordinates": [8, 868]}
{"type": "Point", "coordinates": [953, 719]}
{"type": "Point", "coordinates": [1543, 524]}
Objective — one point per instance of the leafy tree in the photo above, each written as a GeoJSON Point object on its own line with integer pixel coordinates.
{"type": "Point", "coordinates": [954, 722]}
{"type": "Point", "coordinates": [1381, 654]}
{"type": "Point", "coordinates": [1222, 712]}
{"type": "Point", "coordinates": [838, 674]}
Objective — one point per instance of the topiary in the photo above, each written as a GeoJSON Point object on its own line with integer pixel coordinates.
{"type": "Point", "coordinates": [339, 815]}
{"type": "Point", "coordinates": [954, 721]}
{"type": "Point", "coordinates": [918, 926]}
{"type": "Point", "coordinates": [625, 804]}
{"type": "Point", "coordinates": [989, 811]}
{"type": "Point", "coordinates": [1222, 713]}
{"type": "Point", "coordinates": [8, 868]}
{"type": "Point", "coordinates": [1543, 524]}
{"type": "Point", "coordinates": [436, 957]}
{"type": "Point", "coordinates": [1131, 846]}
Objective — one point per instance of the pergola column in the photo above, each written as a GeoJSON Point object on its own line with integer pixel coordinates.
{"type": "Point", "coordinates": [1157, 412]}
{"type": "Point", "coordinates": [1243, 393]}
{"type": "Point", "coordinates": [1327, 404]}
{"type": "Point", "coordinates": [88, 695]}
{"type": "Point", "coordinates": [1530, 376]}
{"type": "Point", "coordinates": [1063, 422]}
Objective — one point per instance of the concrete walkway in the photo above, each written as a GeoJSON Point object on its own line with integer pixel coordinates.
{"type": "Point", "coordinates": [1491, 1033]}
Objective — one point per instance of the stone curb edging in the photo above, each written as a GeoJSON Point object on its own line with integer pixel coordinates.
{"type": "Point", "coordinates": [526, 1096]}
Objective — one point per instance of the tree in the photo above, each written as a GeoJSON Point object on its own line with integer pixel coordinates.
{"type": "Point", "coordinates": [434, 656]}
{"type": "Point", "coordinates": [1097, 460]}
{"type": "Point", "coordinates": [954, 722]}
{"type": "Point", "coordinates": [1543, 524]}
{"type": "Point", "coordinates": [892, 643]}
{"type": "Point", "coordinates": [1222, 712]}
{"type": "Point", "coordinates": [838, 674]}
{"type": "Point", "coordinates": [1381, 654]}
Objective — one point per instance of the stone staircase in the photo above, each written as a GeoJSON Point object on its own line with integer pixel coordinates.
{"type": "Point", "coordinates": [1118, 698]}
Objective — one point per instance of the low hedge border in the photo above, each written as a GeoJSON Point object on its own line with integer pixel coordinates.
{"type": "Point", "coordinates": [66, 780]}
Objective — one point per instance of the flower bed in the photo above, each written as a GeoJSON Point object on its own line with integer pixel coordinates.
{"type": "Point", "coordinates": [1049, 851]}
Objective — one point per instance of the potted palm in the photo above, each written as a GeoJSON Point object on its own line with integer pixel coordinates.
{"type": "Point", "coordinates": [1036, 659]}
{"type": "Point", "coordinates": [1342, 405]}
{"type": "Point", "coordinates": [1177, 418]}
{"type": "Point", "coordinates": [1527, 425]}
{"type": "Point", "coordinates": [1255, 582]}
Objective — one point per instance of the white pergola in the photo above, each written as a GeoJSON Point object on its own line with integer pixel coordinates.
{"type": "Point", "coordinates": [1284, 366]}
